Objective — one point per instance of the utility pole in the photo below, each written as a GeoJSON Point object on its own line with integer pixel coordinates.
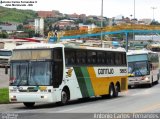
{"type": "Point", "coordinates": [134, 10]}
{"type": "Point", "coordinates": [134, 18]}
{"type": "Point", "coordinates": [101, 22]}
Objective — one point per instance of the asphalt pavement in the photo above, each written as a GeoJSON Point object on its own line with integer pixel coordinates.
{"type": "Point", "coordinates": [132, 104]}
{"type": "Point", "coordinates": [140, 100]}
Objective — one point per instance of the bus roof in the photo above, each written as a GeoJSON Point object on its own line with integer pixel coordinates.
{"type": "Point", "coordinates": [137, 52]}
{"type": "Point", "coordinates": [155, 45]}
{"type": "Point", "coordinates": [49, 45]}
{"type": "Point", "coordinates": [5, 50]}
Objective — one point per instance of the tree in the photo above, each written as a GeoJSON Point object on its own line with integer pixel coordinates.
{"type": "Point", "coordinates": [20, 27]}
{"type": "Point", "coordinates": [3, 35]}
{"type": "Point", "coordinates": [30, 32]}
{"type": "Point", "coordinates": [155, 23]}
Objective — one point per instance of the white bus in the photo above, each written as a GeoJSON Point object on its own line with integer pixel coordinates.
{"type": "Point", "coordinates": [5, 54]}
{"type": "Point", "coordinates": [143, 67]}
{"type": "Point", "coordinates": [59, 73]}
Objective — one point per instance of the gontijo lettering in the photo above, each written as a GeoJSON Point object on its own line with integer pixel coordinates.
{"type": "Point", "coordinates": [106, 71]}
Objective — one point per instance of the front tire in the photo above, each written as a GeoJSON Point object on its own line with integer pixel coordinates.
{"type": "Point", "coordinates": [151, 84]}
{"type": "Point", "coordinates": [64, 97]}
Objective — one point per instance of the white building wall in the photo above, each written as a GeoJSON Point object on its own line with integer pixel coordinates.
{"type": "Point", "coordinates": [39, 26]}
{"type": "Point", "coordinates": [147, 37]}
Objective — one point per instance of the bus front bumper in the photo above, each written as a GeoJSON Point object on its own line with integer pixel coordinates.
{"type": "Point", "coordinates": [34, 97]}
{"type": "Point", "coordinates": [139, 81]}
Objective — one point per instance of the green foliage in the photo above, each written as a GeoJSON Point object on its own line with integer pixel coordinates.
{"type": "Point", "coordinates": [20, 27]}
{"type": "Point", "coordinates": [15, 15]}
{"type": "Point", "coordinates": [155, 23]}
{"type": "Point", "coordinates": [30, 33]}
{"type": "Point", "coordinates": [4, 94]}
{"type": "Point", "coordinates": [3, 35]}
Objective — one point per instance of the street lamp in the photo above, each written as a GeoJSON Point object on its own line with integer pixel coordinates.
{"type": "Point", "coordinates": [153, 8]}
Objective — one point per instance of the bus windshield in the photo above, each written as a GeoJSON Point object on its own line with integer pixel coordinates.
{"type": "Point", "coordinates": [32, 73]}
{"type": "Point", "coordinates": [138, 68]}
{"type": "Point", "coordinates": [5, 53]}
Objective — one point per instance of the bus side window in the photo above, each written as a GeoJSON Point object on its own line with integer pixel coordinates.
{"type": "Point", "coordinates": [113, 58]}
{"type": "Point", "coordinates": [81, 57]}
{"type": "Point", "coordinates": [100, 58]}
{"type": "Point", "coordinates": [91, 57]}
{"type": "Point", "coordinates": [69, 57]}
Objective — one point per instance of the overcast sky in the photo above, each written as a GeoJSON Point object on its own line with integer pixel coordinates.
{"type": "Point", "coordinates": [112, 8]}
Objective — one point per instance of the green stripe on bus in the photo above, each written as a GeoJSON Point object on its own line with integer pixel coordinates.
{"type": "Point", "coordinates": [87, 81]}
{"type": "Point", "coordinates": [81, 82]}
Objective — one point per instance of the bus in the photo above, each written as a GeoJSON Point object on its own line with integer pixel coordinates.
{"type": "Point", "coordinates": [143, 67]}
{"type": "Point", "coordinates": [5, 54]}
{"type": "Point", "coordinates": [46, 72]}
{"type": "Point", "coordinates": [155, 47]}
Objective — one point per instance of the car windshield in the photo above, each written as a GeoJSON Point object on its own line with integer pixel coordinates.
{"type": "Point", "coordinates": [33, 73]}
{"type": "Point", "coordinates": [138, 68]}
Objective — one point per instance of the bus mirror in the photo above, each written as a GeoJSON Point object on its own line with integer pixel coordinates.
{"type": "Point", "coordinates": [6, 70]}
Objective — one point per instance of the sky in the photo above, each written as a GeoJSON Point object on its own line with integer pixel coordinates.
{"type": "Point", "coordinates": [111, 8]}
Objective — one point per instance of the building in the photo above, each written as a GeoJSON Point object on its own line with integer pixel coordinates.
{"type": "Point", "coordinates": [49, 14]}
{"type": "Point", "coordinates": [63, 24]}
{"type": "Point", "coordinates": [147, 37]}
{"type": "Point", "coordinates": [39, 26]}
{"type": "Point", "coordinates": [89, 27]}
{"type": "Point", "coordinates": [45, 14]}
{"type": "Point", "coordinates": [145, 21]}
{"type": "Point", "coordinates": [9, 28]}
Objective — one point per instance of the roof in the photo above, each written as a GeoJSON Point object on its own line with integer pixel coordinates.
{"type": "Point", "coordinates": [66, 20]}
{"type": "Point", "coordinates": [136, 52]}
{"type": "Point", "coordinates": [39, 46]}
{"type": "Point", "coordinates": [8, 27]}
{"type": "Point", "coordinates": [67, 45]}
{"type": "Point", "coordinates": [155, 45]}
{"type": "Point", "coordinates": [45, 14]}
{"type": "Point", "coordinates": [5, 50]}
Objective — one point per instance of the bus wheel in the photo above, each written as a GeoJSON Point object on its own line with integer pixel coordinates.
{"type": "Point", "coordinates": [111, 91]}
{"type": "Point", "coordinates": [29, 104]}
{"type": "Point", "coordinates": [116, 90]}
{"type": "Point", "coordinates": [151, 84]}
{"type": "Point", "coordinates": [64, 97]}
{"type": "Point", "coordinates": [157, 79]}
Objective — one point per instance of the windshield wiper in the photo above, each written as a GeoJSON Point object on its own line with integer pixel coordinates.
{"type": "Point", "coordinates": [22, 78]}
{"type": "Point", "coordinates": [31, 77]}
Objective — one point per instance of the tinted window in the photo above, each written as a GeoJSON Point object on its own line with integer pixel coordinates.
{"type": "Point", "coordinates": [92, 57]}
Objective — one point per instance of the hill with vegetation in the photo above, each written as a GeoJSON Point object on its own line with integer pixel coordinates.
{"type": "Point", "coordinates": [16, 15]}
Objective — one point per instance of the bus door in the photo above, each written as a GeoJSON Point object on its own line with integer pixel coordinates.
{"type": "Point", "coordinates": [57, 67]}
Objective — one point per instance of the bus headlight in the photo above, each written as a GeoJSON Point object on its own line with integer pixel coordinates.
{"type": "Point", "coordinates": [146, 78]}
{"type": "Point", "coordinates": [12, 90]}
{"type": "Point", "coordinates": [13, 98]}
